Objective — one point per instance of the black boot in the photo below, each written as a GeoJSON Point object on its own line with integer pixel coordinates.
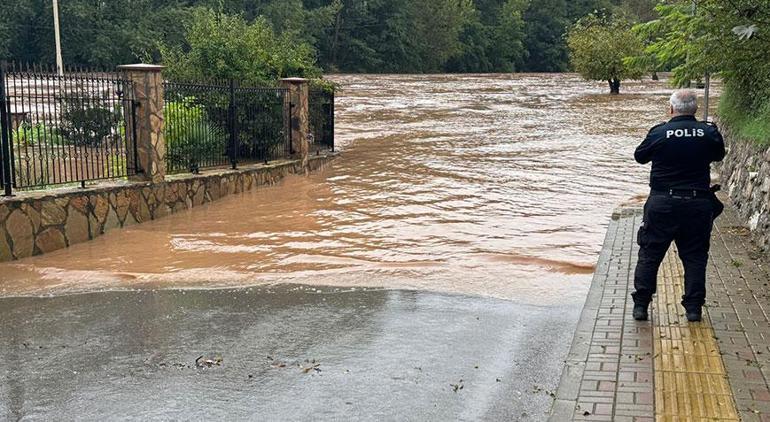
{"type": "Point", "coordinates": [694, 316]}
{"type": "Point", "coordinates": [640, 312]}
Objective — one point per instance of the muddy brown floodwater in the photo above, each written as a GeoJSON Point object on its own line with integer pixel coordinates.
{"type": "Point", "coordinates": [499, 186]}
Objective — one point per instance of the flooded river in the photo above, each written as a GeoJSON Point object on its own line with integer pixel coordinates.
{"type": "Point", "coordinates": [435, 271]}
{"type": "Point", "coordinates": [499, 186]}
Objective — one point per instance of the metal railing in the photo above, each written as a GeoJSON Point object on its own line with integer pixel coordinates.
{"type": "Point", "coordinates": [61, 129]}
{"type": "Point", "coordinates": [220, 123]}
{"type": "Point", "coordinates": [321, 109]}
{"type": "Point", "coordinates": [79, 127]}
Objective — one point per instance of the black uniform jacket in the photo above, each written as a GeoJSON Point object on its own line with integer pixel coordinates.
{"type": "Point", "coordinates": [681, 152]}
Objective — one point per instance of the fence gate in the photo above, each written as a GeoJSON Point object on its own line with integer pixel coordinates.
{"type": "Point", "coordinates": [64, 129]}
{"type": "Point", "coordinates": [321, 105]}
{"type": "Point", "coordinates": [5, 135]}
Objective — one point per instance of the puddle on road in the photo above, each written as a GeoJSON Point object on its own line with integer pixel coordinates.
{"type": "Point", "coordinates": [499, 186]}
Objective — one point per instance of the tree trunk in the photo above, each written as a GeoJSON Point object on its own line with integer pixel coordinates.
{"type": "Point", "coordinates": [336, 37]}
{"type": "Point", "coordinates": [614, 86]}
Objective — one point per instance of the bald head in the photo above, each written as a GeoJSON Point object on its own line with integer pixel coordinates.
{"type": "Point", "coordinates": [684, 102]}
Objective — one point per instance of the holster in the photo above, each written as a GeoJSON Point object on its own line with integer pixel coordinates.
{"type": "Point", "coordinates": [719, 207]}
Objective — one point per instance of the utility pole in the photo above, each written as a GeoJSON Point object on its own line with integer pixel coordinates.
{"type": "Point", "coordinates": [707, 76]}
{"type": "Point", "coordinates": [59, 61]}
{"type": "Point", "coordinates": [706, 97]}
{"type": "Point", "coordinates": [687, 58]}
{"type": "Point", "coordinates": [336, 36]}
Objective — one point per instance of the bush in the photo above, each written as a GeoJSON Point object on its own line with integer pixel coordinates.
{"type": "Point", "coordinates": [190, 137]}
{"type": "Point", "coordinates": [261, 130]}
{"type": "Point", "coordinates": [87, 121]}
{"type": "Point", "coordinates": [40, 133]}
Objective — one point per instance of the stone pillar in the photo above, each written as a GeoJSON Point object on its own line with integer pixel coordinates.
{"type": "Point", "coordinates": [149, 155]}
{"type": "Point", "coordinates": [300, 119]}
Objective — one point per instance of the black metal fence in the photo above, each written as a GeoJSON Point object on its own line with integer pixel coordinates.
{"type": "Point", "coordinates": [321, 109]}
{"type": "Point", "coordinates": [78, 127]}
{"type": "Point", "coordinates": [60, 129]}
{"type": "Point", "coordinates": [221, 123]}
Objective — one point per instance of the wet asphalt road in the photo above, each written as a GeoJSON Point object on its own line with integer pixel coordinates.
{"type": "Point", "coordinates": [380, 355]}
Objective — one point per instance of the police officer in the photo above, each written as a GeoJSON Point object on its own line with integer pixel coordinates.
{"type": "Point", "coordinates": [681, 206]}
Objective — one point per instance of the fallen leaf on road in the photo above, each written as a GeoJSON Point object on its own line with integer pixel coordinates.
{"type": "Point", "coordinates": [208, 362]}
{"type": "Point", "coordinates": [315, 367]}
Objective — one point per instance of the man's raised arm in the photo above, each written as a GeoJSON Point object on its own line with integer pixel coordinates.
{"type": "Point", "coordinates": [643, 153]}
{"type": "Point", "coordinates": [719, 144]}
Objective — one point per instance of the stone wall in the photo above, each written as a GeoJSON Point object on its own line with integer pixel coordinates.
{"type": "Point", "coordinates": [746, 177]}
{"type": "Point", "coordinates": [35, 223]}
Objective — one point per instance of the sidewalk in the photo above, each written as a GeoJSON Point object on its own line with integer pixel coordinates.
{"type": "Point", "coordinates": [668, 369]}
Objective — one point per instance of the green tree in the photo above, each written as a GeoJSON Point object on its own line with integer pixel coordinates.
{"type": "Point", "coordinates": [395, 35]}
{"type": "Point", "coordinates": [24, 25]}
{"type": "Point", "coordinates": [228, 47]}
{"type": "Point", "coordinates": [598, 47]}
{"type": "Point", "coordinates": [474, 51]}
{"type": "Point", "coordinates": [438, 27]}
{"type": "Point", "coordinates": [546, 23]}
{"type": "Point", "coordinates": [306, 24]}
{"type": "Point", "coordinates": [94, 33]}
{"type": "Point", "coordinates": [577, 9]}
{"type": "Point", "coordinates": [7, 30]}
{"type": "Point", "coordinates": [344, 35]}
{"type": "Point", "coordinates": [492, 39]}
{"type": "Point", "coordinates": [638, 10]}
{"type": "Point", "coordinates": [371, 35]}
{"type": "Point", "coordinates": [673, 42]}
{"type": "Point", "coordinates": [508, 36]}
{"type": "Point", "coordinates": [714, 36]}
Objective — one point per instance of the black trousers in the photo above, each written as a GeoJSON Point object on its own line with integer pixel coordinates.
{"type": "Point", "coordinates": [688, 222]}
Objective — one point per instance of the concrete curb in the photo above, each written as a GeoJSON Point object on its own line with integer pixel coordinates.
{"type": "Point", "coordinates": [566, 399]}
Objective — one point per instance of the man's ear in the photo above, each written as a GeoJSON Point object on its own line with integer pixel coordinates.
{"type": "Point", "coordinates": [671, 110]}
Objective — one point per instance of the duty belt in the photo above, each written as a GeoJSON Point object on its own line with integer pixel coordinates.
{"type": "Point", "coordinates": [682, 193]}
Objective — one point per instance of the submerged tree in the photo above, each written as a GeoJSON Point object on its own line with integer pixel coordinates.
{"type": "Point", "coordinates": [598, 49]}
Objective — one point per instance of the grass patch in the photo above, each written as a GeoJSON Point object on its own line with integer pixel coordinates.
{"type": "Point", "coordinates": [757, 128]}
{"type": "Point", "coordinates": [752, 125]}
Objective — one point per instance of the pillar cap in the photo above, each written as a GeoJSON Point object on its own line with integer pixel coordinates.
{"type": "Point", "coordinates": [142, 67]}
{"type": "Point", "coordinates": [294, 80]}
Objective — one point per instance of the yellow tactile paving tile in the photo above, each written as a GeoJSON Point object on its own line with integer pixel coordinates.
{"type": "Point", "coordinates": [690, 379]}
